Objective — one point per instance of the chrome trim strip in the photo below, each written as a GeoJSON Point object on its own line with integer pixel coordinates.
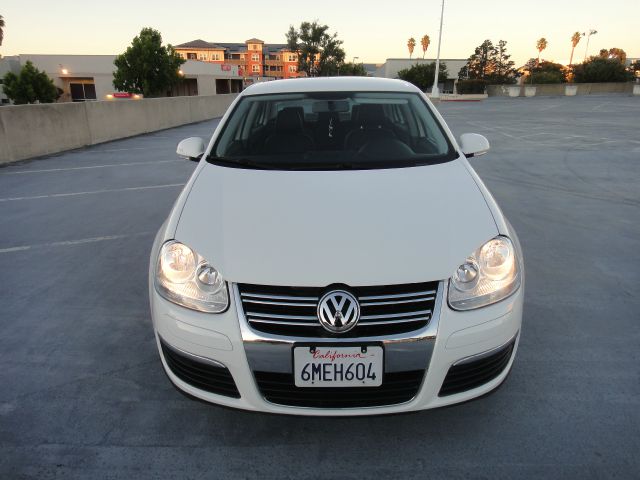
{"type": "Point", "coordinates": [394, 315]}
{"type": "Point", "coordinates": [413, 300]}
{"type": "Point", "coordinates": [397, 295]}
{"type": "Point", "coordinates": [273, 315]}
{"type": "Point", "coordinates": [290, 304]}
{"type": "Point", "coordinates": [198, 358]}
{"type": "Point", "coordinates": [275, 322]}
{"type": "Point", "coordinates": [394, 322]}
{"type": "Point", "coordinates": [481, 355]}
{"type": "Point", "coordinates": [277, 297]}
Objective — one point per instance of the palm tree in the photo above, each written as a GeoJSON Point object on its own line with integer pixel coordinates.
{"type": "Point", "coordinates": [541, 45]}
{"type": "Point", "coordinates": [575, 39]}
{"type": "Point", "coordinates": [426, 41]}
{"type": "Point", "coordinates": [1, 29]}
{"type": "Point", "coordinates": [411, 44]}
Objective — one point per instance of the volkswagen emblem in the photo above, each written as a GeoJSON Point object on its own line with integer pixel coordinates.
{"type": "Point", "coordinates": [338, 311]}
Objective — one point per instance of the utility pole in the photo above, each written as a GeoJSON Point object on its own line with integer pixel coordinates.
{"type": "Point", "coordinates": [435, 92]}
{"type": "Point", "coordinates": [591, 32]}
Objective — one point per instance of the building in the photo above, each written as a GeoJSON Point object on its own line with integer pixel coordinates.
{"type": "Point", "coordinates": [90, 77]}
{"type": "Point", "coordinates": [256, 61]}
{"type": "Point", "coordinates": [392, 66]}
{"type": "Point", "coordinates": [371, 68]}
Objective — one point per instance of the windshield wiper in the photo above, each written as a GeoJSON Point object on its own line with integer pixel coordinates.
{"type": "Point", "coordinates": [242, 162]}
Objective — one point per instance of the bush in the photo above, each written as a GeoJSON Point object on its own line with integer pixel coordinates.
{"type": "Point", "coordinates": [422, 75]}
{"type": "Point", "coordinates": [596, 70]}
{"type": "Point", "coordinates": [471, 86]}
{"type": "Point", "coordinates": [548, 77]}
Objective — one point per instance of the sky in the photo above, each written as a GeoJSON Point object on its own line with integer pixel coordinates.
{"type": "Point", "coordinates": [372, 31]}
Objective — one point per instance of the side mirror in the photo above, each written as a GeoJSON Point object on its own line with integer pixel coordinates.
{"type": "Point", "coordinates": [473, 145]}
{"type": "Point", "coordinates": [191, 148]}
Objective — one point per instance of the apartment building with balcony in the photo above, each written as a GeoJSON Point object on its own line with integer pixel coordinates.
{"type": "Point", "coordinates": [255, 59]}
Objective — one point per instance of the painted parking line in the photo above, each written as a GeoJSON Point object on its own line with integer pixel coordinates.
{"type": "Point", "coordinates": [110, 165]}
{"type": "Point", "coordinates": [69, 243]}
{"type": "Point", "coordinates": [94, 192]}
{"type": "Point", "coordinates": [98, 150]}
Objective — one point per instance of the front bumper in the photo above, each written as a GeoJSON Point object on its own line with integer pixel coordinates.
{"type": "Point", "coordinates": [451, 338]}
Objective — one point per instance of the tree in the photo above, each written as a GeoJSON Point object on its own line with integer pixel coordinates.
{"type": "Point", "coordinates": [147, 66]}
{"type": "Point", "coordinates": [575, 39]}
{"type": "Point", "coordinates": [481, 63]}
{"type": "Point", "coordinates": [352, 70]}
{"type": "Point", "coordinates": [504, 71]}
{"type": "Point", "coordinates": [598, 69]}
{"type": "Point", "coordinates": [29, 86]}
{"type": "Point", "coordinates": [319, 53]}
{"type": "Point", "coordinates": [422, 75]}
{"type": "Point", "coordinates": [411, 44]}
{"type": "Point", "coordinates": [425, 42]}
{"type": "Point", "coordinates": [1, 29]}
{"type": "Point", "coordinates": [618, 54]}
{"type": "Point", "coordinates": [541, 44]}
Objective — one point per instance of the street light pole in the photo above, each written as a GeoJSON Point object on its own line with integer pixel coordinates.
{"type": "Point", "coordinates": [435, 92]}
{"type": "Point", "coordinates": [591, 32]}
{"type": "Point", "coordinates": [354, 60]}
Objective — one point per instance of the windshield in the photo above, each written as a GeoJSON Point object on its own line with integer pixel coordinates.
{"type": "Point", "coordinates": [331, 130]}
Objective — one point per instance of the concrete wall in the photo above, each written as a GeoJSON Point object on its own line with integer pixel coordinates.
{"type": "Point", "coordinates": [32, 130]}
{"type": "Point", "coordinates": [558, 89]}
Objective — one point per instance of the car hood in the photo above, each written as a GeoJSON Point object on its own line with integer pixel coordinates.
{"type": "Point", "coordinates": [316, 228]}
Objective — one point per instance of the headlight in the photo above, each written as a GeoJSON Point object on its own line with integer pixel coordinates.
{"type": "Point", "coordinates": [185, 278]}
{"type": "Point", "coordinates": [488, 275]}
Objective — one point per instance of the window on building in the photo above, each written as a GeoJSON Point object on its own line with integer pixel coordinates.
{"type": "Point", "coordinates": [81, 92]}
{"type": "Point", "coordinates": [255, 57]}
{"type": "Point", "coordinates": [292, 58]}
{"type": "Point", "coordinates": [202, 57]}
{"type": "Point", "coordinates": [277, 57]}
{"type": "Point", "coordinates": [215, 56]}
{"type": "Point", "coordinates": [292, 68]}
{"type": "Point", "coordinates": [191, 56]}
{"type": "Point", "coordinates": [255, 68]}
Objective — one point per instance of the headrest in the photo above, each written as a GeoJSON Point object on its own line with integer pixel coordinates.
{"type": "Point", "coordinates": [290, 119]}
{"type": "Point", "coordinates": [371, 115]}
{"type": "Point", "coordinates": [326, 116]}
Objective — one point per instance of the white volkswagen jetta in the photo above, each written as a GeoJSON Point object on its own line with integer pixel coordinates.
{"type": "Point", "coordinates": [334, 253]}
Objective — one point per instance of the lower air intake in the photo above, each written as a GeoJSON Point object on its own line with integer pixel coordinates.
{"type": "Point", "coordinates": [475, 373]}
{"type": "Point", "coordinates": [200, 374]}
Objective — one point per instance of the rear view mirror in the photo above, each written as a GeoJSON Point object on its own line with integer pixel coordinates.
{"type": "Point", "coordinates": [473, 144]}
{"type": "Point", "coordinates": [192, 148]}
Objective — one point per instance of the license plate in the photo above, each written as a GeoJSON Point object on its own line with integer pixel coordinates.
{"type": "Point", "coordinates": [338, 366]}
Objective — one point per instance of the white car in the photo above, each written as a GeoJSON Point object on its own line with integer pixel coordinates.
{"type": "Point", "coordinates": [334, 253]}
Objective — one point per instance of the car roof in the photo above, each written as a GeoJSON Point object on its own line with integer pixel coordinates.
{"type": "Point", "coordinates": [330, 84]}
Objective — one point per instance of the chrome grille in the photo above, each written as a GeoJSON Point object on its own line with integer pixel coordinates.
{"type": "Point", "coordinates": [384, 310]}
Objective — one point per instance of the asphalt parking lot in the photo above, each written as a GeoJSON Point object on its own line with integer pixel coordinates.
{"type": "Point", "coordinates": [84, 396]}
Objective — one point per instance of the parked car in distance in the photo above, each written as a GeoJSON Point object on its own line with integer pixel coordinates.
{"type": "Point", "coordinates": [334, 253]}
